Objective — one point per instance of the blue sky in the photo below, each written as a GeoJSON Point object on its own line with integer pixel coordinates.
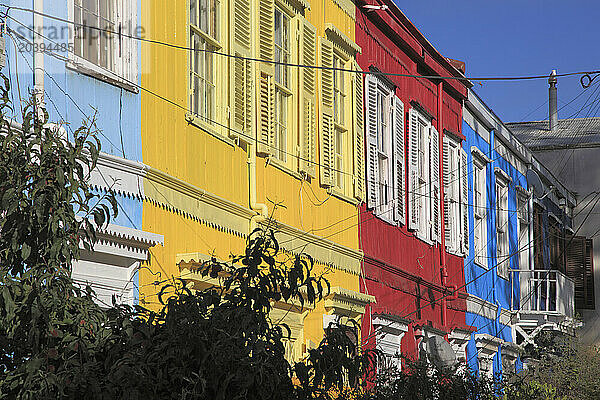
{"type": "Point", "coordinates": [508, 38]}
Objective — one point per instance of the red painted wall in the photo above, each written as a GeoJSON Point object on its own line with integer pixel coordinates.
{"type": "Point", "coordinates": [401, 271]}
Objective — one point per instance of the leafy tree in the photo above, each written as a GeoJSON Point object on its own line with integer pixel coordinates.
{"type": "Point", "coordinates": [422, 380]}
{"type": "Point", "coordinates": [563, 367]}
{"type": "Point", "coordinates": [56, 342]}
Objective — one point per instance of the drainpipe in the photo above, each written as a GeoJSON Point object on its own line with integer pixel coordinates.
{"type": "Point", "coordinates": [260, 208]}
{"type": "Point", "coordinates": [38, 56]}
{"type": "Point", "coordinates": [444, 270]}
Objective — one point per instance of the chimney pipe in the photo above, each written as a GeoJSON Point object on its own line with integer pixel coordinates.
{"type": "Point", "coordinates": [552, 97]}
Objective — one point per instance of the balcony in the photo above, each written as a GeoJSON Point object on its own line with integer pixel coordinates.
{"type": "Point", "coordinates": [545, 301]}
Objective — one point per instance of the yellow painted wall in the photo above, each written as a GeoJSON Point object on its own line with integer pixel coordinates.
{"type": "Point", "coordinates": [172, 145]}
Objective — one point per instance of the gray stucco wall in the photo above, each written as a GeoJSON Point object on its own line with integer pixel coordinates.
{"type": "Point", "coordinates": [579, 170]}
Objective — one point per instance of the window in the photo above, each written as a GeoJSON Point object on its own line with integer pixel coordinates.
{"type": "Point", "coordinates": [204, 39]}
{"type": "Point", "coordinates": [340, 116]}
{"type": "Point", "coordinates": [556, 244]}
{"type": "Point", "coordinates": [479, 211]}
{"type": "Point", "coordinates": [424, 180]}
{"type": "Point", "coordinates": [385, 136]}
{"type": "Point", "coordinates": [282, 76]}
{"type": "Point", "coordinates": [339, 90]}
{"type": "Point", "coordinates": [455, 196]}
{"type": "Point", "coordinates": [339, 99]}
{"type": "Point", "coordinates": [502, 227]}
{"type": "Point", "coordinates": [523, 219]}
{"type": "Point", "coordinates": [95, 41]}
{"type": "Point", "coordinates": [383, 148]}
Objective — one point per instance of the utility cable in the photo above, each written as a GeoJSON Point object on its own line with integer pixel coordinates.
{"type": "Point", "coordinates": [186, 48]}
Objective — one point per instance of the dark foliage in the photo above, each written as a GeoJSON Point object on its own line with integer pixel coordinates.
{"type": "Point", "coordinates": [56, 342]}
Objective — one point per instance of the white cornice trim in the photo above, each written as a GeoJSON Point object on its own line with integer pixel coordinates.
{"type": "Point", "coordinates": [488, 310]}
{"type": "Point", "coordinates": [132, 235]}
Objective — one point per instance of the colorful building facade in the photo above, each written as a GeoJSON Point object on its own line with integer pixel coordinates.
{"type": "Point", "coordinates": [84, 76]}
{"type": "Point", "coordinates": [410, 236]}
{"type": "Point", "coordinates": [232, 143]}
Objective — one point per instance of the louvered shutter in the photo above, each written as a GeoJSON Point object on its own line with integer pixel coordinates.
{"type": "Point", "coordinates": [413, 183]}
{"type": "Point", "coordinates": [448, 211]}
{"type": "Point", "coordinates": [373, 200]}
{"type": "Point", "coordinates": [326, 113]}
{"type": "Point", "coordinates": [359, 135]}
{"type": "Point", "coordinates": [464, 202]}
{"type": "Point", "coordinates": [241, 75]}
{"type": "Point", "coordinates": [399, 170]}
{"type": "Point", "coordinates": [308, 86]}
{"type": "Point", "coordinates": [434, 176]}
{"type": "Point", "coordinates": [266, 71]}
{"type": "Point", "coordinates": [579, 267]}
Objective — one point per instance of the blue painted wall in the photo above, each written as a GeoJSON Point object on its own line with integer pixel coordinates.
{"type": "Point", "coordinates": [485, 283]}
{"type": "Point", "coordinates": [73, 97]}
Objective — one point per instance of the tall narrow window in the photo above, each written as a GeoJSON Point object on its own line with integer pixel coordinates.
{"type": "Point", "coordinates": [479, 211]}
{"type": "Point", "coordinates": [523, 218]}
{"type": "Point", "coordinates": [453, 183]}
{"type": "Point", "coordinates": [502, 227]}
{"type": "Point", "coordinates": [339, 92]}
{"type": "Point", "coordinates": [282, 87]}
{"type": "Point", "coordinates": [339, 119]}
{"type": "Point", "coordinates": [385, 151]}
{"type": "Point", "coordinates": [383, 148]}
{"type": "Point", "coordinates": [423, 188]}
{"type": "Point", "coordinates": [204, 40]}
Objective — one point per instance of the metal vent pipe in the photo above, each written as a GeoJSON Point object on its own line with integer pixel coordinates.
{"type": "Point", "coordinates": [552, 101]}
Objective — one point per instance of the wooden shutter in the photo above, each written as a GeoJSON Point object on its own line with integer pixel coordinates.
{"type": "Point", "coordinates": [241, 75]}
{"type": "Point", "coordinates": [464, 203]}
{"type": "Point", "coordinates": [579, 267]}
{"type": "Point", "coordinates": [326, 113]}
{"type": "Point", "coordinates": [359, 135]}
{"type": "Point", "coordinates": [266, 71]}
{"type": "Point", "coordinates": [448, 212]}
{"type": "Point", "coordinates": [590, 299]}
{"type": "Point", "coordinates": [399, 192]}
{"type": "Point", "coordinates": [373, 200]}
{"type": "Point", "coordinates": [308, 85]}
{"type": "Point", "coordinates": [413, 183]}
{"type": "Point", "coordinates": [434, 176]}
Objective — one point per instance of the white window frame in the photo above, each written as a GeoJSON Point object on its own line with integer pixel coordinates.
{"type": "Point", "coordinates": [125, 72]}
{"type": "Point", "coordinates": [385, 181]}
{"type": "Point", "coordinates": [502, 225]}
{"type": "Point", "coordinates": [453, 180]}
{"type": "Point", "coordinates": [480, 253]}
{"type": "Point", "coordinates": [385, 153]}
{"type": "Point", "coordinates": [523, 228]}
{"type": "Point", "coordinates": [283, 94]}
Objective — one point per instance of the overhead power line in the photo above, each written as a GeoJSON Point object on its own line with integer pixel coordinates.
{"type": "Point", "coordinates": [318, 67]}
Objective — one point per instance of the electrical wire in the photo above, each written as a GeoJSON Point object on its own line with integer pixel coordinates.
{"type": "Point", "coordinates": [186, 48]}
{"type": "Point", "coordinates": [258, 141]}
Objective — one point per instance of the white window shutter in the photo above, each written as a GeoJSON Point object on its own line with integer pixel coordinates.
{"type": "Point", "coordinates": [464, 202]}
{"type": "Point", "coordinates": [413, 183]}
{"type": "Point", "coordinates": [434, 176]}
{"type": "Point", "coordinates": [359, 135]}
{"type": "Point", "coordinates": [448, 217]}
{"type": "Point", "coordinates": [399, 192]}
{"type": "Point", "coordinates": [373, 200]}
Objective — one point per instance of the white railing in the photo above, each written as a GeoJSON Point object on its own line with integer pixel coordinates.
{"type": "Point", "coordinates": [543, 291]}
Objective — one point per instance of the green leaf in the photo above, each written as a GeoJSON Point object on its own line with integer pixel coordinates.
{"type": "Point", "coordinates": [25, 251]}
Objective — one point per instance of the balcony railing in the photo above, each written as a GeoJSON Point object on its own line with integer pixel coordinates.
{"type": "Point", "coordinates": [543, 291]}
